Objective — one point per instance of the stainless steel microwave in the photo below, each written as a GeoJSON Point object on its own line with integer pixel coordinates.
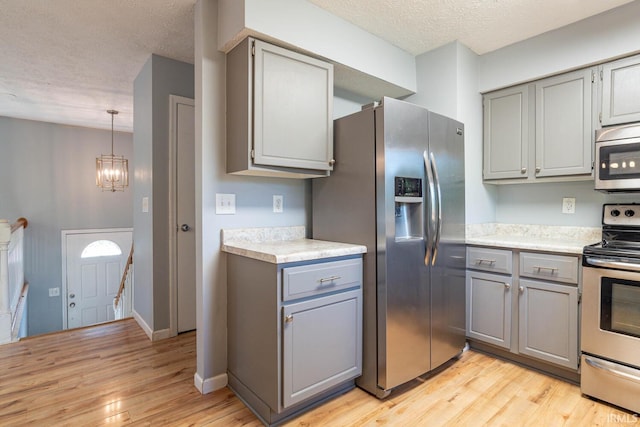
{"type": "Point", "coordinates": [617, 166]}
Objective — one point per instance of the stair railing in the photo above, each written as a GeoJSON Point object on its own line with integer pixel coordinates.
{"type": "Point", "coordinates": [13, 287]}
{"type": "Point", "coordinates": [125, 286]}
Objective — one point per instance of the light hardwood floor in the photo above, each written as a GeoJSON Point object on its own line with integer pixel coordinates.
{"type": "Point", "coordinates": [112, 374]}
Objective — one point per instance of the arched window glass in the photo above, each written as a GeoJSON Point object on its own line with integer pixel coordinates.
{"type": "Point", "coordinates": [101, 248]}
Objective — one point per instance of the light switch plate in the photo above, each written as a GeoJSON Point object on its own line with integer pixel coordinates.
{"type": "Point", "coordinates": [145, 204]}
{"type": "Point", "coordinates": [225, 204]}
{"type": "Point", "coordinates": [278, 203]}
{"type": "Point", "coordinates": [568, 205]}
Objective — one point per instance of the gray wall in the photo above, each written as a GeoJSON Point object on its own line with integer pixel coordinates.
{"type": "Point", "coordinates": [47, 175]}
{"type": "Point", "coordinates": [158, 78]}
{"type": "Point", "coordinates": [447, 84]}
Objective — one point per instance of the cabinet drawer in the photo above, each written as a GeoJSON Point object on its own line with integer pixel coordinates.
{"type": "Point", "coordinates": [549, 267]}
{"type": "Point", "coordinates": [315, 279]}
{"type": "Point", "coordinates": [496, 260]}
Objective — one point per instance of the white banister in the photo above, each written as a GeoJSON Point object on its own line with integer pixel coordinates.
{"type": "Point", "coordinates": [5, 239]}
{"type": "Point", "coordinates": [13, 288]}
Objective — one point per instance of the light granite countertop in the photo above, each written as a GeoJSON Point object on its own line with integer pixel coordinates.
{"type": "Point", "coordinates": [279, 245]}
{"type": "Point", "coordinates": [561, 239]}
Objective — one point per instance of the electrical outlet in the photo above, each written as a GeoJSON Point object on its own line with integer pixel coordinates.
{"type": "Point", "coordinates": [278, 204]}
{"type": "Point", "coordinates": [54, 292]}
{"type": "Point", "coordinates": [568, 205]}
{"type": "Point", "coordinates": [225, 204]}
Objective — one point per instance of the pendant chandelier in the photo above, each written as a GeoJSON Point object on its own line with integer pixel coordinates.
{"type": "Point", "coordinates": [112, 172]}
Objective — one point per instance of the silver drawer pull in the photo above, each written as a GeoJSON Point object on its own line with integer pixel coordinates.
{"type": "Point", "coordinates": [611, 368]}
{"type": "Point", "coordinates": [288, 319]}
{"type": "Point", "coordinates": [481, 261]}
{"type": "Point", "coordinates": [329, 279]}
{"type": "Point", "coordinates": [541, 267]}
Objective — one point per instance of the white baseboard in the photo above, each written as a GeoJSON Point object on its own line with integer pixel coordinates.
{"type": "Point", "coordinates": [162, 334]}
{"type": "Point", "coordinates": [146, 328]}
{"type": "Point", "coordinates": [153, 335]}
{"type": "Point", "coordinates": [210, 384]}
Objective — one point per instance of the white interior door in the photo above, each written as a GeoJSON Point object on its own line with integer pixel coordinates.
{"type": "Point", "coordinates": [185, 216]}
{"type": "Point", "coordinates": [94, 264]}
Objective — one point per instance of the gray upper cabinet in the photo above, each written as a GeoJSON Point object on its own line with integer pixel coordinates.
{"type": "Point", "coordinates": [564, 130]}
{"type": "Point", "coordinates": [541, 131]}
{"type": "Point", "coordinates": [506, 133]}
{"type": "Point", "coordinates": [279, 112]}
{"type": "Point", "coordinates": [621, 91]}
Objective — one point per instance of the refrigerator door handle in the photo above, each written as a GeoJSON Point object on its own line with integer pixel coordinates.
{"type": "Point", "coordinates": [429, 210]}
{"type": "Point", "coordinates": [438, 216]}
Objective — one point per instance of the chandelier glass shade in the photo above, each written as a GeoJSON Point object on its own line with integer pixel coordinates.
{"type": "Point", "coordinates": [112, 172]}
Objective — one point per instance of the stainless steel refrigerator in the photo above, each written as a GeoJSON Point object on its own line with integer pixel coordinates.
{"type": "Point", "coordinates": [398, 188]}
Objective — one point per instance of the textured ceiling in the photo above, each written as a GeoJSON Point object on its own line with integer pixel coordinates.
{"type": "Point", "coordinates": [68, 61]}
{"type": "Point", "coordinates": [418, 26]}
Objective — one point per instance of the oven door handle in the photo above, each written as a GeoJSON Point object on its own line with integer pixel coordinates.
{"type": "Point", "coordinates": [612, 264]}
{"type": "Point", "coordinates": [610, 367]}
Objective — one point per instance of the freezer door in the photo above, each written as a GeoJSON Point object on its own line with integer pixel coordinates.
{"type": "Point", "coordinates": [403, 278]}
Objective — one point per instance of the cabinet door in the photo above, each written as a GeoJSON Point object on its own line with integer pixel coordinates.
{"type": "Point", "coordinates": [322, 344]}
{"type": "Point", "coordinates": [506, 133]}
{"type": "Point", "coordinates": [489, 308]}
{"type": "Point", "coordinates": [548, 318]}
{"type": "Point", "coordinates": [621, 91]}
{"type": "Point", "coordinates": [293, 103]}
{"type": "Point", "coordinates": [564, 130]}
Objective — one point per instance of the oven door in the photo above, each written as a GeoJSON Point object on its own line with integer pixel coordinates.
{"type": "Point", "coordinates": [618, 165]}
{"type": "Point", "coordinates": [611, 313]}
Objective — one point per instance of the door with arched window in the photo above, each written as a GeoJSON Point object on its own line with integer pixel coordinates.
{"type": "Point", "coordinates": [94, 261]}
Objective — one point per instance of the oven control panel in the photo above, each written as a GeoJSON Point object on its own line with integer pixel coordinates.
{"type": "Point", "coordinates": [621, 214]}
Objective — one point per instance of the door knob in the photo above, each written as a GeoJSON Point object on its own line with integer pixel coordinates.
{"type": "Point", "coordinates": [73, 304]}
{"type": "Point", "coordinates": [185, 227]}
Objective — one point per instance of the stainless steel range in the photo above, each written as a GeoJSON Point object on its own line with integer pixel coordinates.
{"type": "Point", "coordinates": [610, 341]}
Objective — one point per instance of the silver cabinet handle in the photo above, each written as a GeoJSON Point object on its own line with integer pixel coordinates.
{"type": "Point", "coordinates": [73, 304]}
{"type": "Point", "coordinates": [329, 279]}
{"type": "Point", "coordinates": [537, 169]}
{"type": "Point", "coordinates": [507, 286]}
{"type": "Point", "coordinates": [481, 261]}
{"type": "Point", "coordinates": [610, 367]}
{"type": "Point", "coordinates": [521, 288]}
{"type": "Point", "coordinates": [523, 171]}
{"type": "Point", "coordinates": [542, 267]}
{"type": "Point", "coordinates": [288, 319]}
{"type": "Point", "coordinates": [332, 162]}
{"type": "Point", "coordinates": [185, 227]}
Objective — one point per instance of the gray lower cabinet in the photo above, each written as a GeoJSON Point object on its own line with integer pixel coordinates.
{"type": "Point", "coordinates": [621, 91]}
{"type": "Point", "coordinates": [548, 318]}
{"type": "Point", "coordinates": [530, 309]}
{"type": "Point", "coordinates": [489, 308]}
{"type": "Point", "coordinates": [294, 332]}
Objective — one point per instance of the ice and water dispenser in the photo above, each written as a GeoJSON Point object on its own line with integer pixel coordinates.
{"type": "Point", "coordinates": [408, 205]}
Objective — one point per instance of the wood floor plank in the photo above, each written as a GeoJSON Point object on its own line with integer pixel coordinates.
{"type": "Point", "coordinates": [111, 374]}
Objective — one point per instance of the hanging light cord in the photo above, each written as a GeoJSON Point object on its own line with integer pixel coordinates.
{"type": "Point", "coordinates": [113, 113]}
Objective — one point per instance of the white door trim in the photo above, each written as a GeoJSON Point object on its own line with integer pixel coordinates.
{"type": "Point", "coordinates": [174, 101]}
{"type": "Point", "coordinates": [64, 234]}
